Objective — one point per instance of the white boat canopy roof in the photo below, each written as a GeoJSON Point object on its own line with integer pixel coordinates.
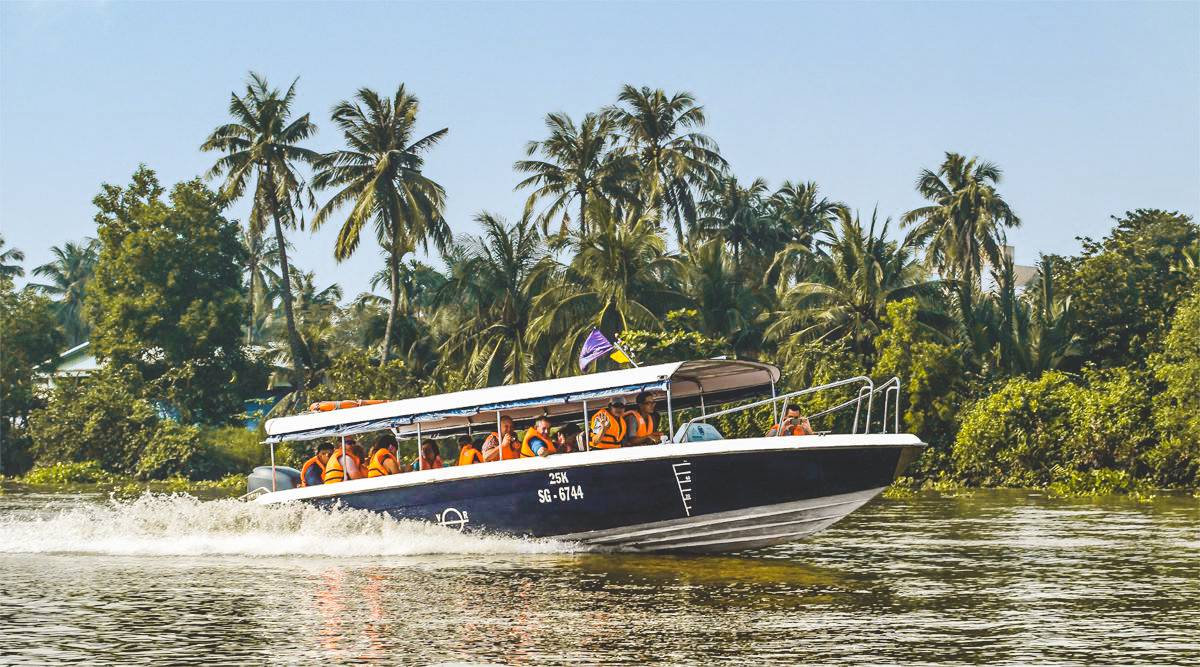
{"type": "Point", "coordinates": [716, 380]}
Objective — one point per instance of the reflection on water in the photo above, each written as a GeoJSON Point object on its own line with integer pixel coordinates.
{"type": "Point", "coordinates": [995, 577]}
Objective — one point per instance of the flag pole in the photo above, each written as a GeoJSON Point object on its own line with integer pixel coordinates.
{"type": "Point", "coordinates": [617, 342]}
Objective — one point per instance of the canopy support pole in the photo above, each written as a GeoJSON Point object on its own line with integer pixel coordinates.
{"type": "Point", "coordinates": [272, 446]}
{"type": "Point", "coordinates": [420, 458]}
{"type": "Point", "coordinates": [670, 415]}
{"type": "Point", "coordinates": [499, 439]}
{"type": "Point", "coordinates": [776, 414]}
{"type": "Point", "coordinates": [587, 429]}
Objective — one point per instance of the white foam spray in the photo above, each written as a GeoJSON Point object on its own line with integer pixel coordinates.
{"type": "Point", "coordinates": [182, 525]}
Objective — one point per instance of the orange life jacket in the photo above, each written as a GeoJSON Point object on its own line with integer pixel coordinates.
{"type": "Point", "coordinates": [314, 461]}
{"type": "Point", "coordinates": [333, 467]}
{"type": "Point", "coordinates": [645, 425]}
{"type": "Point", "coordinates": [527, 446]}
{"type": "Point", "coordinates": [425, 464]}
{"type": "Point", "coordinates": [505, 451]}
{"type": "Point", "coordinates": [468, 455]}
{"type": "Point", "coordinates": [607, 430]}
{"type": "Point", "coordinates": [795, 430]}
{"type": "Point", "coordinates": [376, 468]}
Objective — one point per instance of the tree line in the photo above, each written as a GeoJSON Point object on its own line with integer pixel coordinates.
{"type": "Point", "coordinates": [634, 223]}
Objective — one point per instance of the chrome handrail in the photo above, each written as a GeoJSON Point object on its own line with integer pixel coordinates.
{"type": "Point", "coordinates": [783, 397]}
{"type": "Point", "coordinates": [888, 388]}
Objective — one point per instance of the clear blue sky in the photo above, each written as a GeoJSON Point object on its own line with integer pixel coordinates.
{"type": "Point", "coordinates": [1091, 109]}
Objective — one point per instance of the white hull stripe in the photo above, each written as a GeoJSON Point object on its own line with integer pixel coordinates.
{"type": "Point", "coordinates": [732, 528]}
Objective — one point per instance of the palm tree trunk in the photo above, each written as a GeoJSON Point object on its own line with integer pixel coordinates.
{"type": "Point", "coordinates": [250, 320]}
{"type": "Point", "coordinates": [394, 275]}
{"type": "Point", "coordinates": [582, 213]}
{"type": "Point", "coordinates": [300, 372]}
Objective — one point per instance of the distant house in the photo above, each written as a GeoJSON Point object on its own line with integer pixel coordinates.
{"type": "Point", "coordinates": [1023, 276]}
{"type": "Point", "coordinates": [75, 362]}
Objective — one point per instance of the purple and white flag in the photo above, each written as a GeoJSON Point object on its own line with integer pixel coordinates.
{"type": "Point", "coordinates": [596, 346]}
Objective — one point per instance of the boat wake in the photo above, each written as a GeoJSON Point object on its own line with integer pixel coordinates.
{"type": "Point", "coordinates": [182, 525]}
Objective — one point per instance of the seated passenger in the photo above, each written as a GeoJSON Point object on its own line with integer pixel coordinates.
{"type": "Point", "coordinates": [503, 445]}
{"type": "Point", "coordinates": [346, 463]}
{"type": "Point", "coordinates": [312, 473]}
{"type": "Point", "coordinates": [566, 439]}
{"type": "Point", "coordinates": [641, 423]}
{"type": "Point", "coordinates": [608, 426]}
{"type": "Point", "coordinates": [467, 453]}
{"type": "Point", "coordinates": [431, 457]}
{"type": "Point", "coordinates": [793, 423]}
{"type": "Point", "coordinates": [383, 459]}
{"type": "Point", "coordinates": [537, 439]}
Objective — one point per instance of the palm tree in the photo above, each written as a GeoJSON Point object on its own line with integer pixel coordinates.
{"type": "Point", "coordinates": [422, 290]}
{"type": "Point", "coordinates": [379, 174]}
{"type": "Point", "coordinates": [10, 261]}
{"type": "Point", "coordinates": [619, 277]}
{"type": "Point", "coordinates": [577, 164]}
{"type": "Point", "coordinates": [68, 275]}
{"type": "Point", "coordinates": [262, 253]}
{"type": "Point", "coordinates": [730, 305]}
{"type": "Point", "coordinates": [496, 281]}
{"type": "Point", "coordinates": [734, 214]}
{"type": "Point", "coordinates": [963, 227]}
{"type": "Point", "coordinates": [802, 215]}
{"type": "Point", "coordinates": [674, 158]}
{"type": "Point", "coordinates": [262, 143]}
{"type": "Point", "coordinates": [846, 298]}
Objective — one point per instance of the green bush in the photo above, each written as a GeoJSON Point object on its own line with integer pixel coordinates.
{"type": "Point", "coordinates": [1176, 458]}
{"type": "Point", "coordinates": [1098, 482]}
{"type": "Point", "coordinates": [1024, 431]}
{"type": "Point", "coordinates": [106, 418]}
{"type": "Point", "coordinates": [932, 384]}
{"type": "Point", "coordinates": [83, 472]}
{"type": "Point", "coordinates": [1014, 436]}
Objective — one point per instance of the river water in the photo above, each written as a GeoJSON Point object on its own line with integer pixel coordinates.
{"type": "Point", "coordinates": [992, 577]}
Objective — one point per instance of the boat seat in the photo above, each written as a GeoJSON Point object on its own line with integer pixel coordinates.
{"type": "Point", "coordinates": [698, 432]}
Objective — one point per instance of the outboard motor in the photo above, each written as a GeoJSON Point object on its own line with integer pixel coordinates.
{"type": "Point", "coordinates": [285, 478]}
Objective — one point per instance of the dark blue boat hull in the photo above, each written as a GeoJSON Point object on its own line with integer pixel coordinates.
{"type": "Point", "coordinates": [669, 496]}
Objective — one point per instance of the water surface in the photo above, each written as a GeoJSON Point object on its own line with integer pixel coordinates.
{"type": "Point", "coordinates": [994, 577]}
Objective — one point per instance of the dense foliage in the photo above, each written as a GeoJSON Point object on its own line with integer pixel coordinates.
{"type": "Point", "coordinates": [1083, 377]}
{"type": "Point", "coordinates": [29, 336]}
{"type": "Point", "coordinates": [166, 296]}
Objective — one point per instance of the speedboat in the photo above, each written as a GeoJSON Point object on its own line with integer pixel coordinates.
{"type": "Point", "coordinates": [698, 491]}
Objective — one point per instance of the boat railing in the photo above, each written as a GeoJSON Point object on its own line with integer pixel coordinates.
{"type": "Point", "coordinates": [865, 394]}
{"type": "Point", "coordinates": [864, 382]}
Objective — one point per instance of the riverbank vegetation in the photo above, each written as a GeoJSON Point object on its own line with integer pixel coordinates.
{"type": "Point", "coordinates": [1083, 374]}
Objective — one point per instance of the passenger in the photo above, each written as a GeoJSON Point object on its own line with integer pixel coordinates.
{"type": "Point", "coordinates": [341, 467]}
{"type": "Point", "coordinates": [793, 423]}
{"type": "Point", "coordinates": [608, 426]}
{"type": "Point", "coordinates": [566, 440]}
{"type": "Point", "coordinates": [502, 445]}
{"type": "Point", "coordinates": [641, 422]}
{"type": "Point", "coordinates": [467, 453]}
{"type": "Point", "coordinates": [312, 473]}
{"type": "Point", "coordinates": [383, 459]}
{"type": "Point", "coordinates": [537, 439]}
{"type": "Point", "coordinates": [431, 457]}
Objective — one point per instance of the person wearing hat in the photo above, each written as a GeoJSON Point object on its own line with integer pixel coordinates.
{"type": "Point", "coordinates": [608, 426]}
{"type": "Point", "coordinates": [641, 424]}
